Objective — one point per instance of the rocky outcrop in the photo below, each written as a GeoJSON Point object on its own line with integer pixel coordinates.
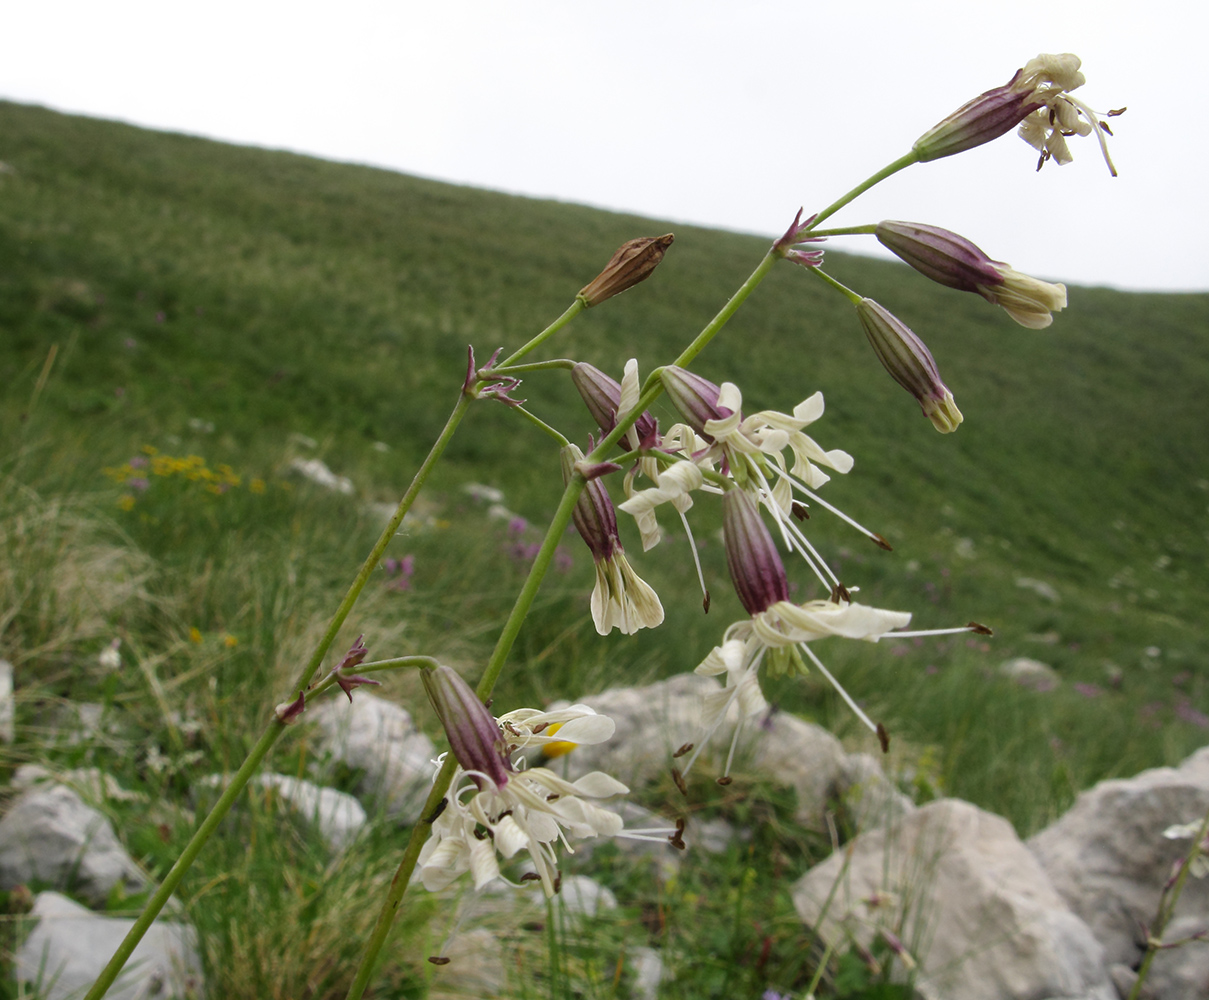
{"type": "Point", "coordinates": [967, 899]}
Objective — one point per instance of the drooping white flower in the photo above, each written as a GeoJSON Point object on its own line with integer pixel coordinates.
{"type": "Point", "coordinates": [497, 808]}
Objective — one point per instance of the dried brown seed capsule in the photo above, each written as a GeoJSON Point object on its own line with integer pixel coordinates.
{"type": "Point", "coordinates": [633, 262]}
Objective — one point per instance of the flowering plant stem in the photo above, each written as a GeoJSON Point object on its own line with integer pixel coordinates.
{"type": "Point", "coordinates": [503, 646]}
{"type": "Point", "coordinates": [275, 727]}
{"type": "Point", "coordinates": [524, 601]}
{"type": "Point", "coordinates": [860, 189]}
{"type": "Point", "coordinates": [844, 290]}
{"type": "Point", "coordinates": [573, 310]}
{"type": "Point", "coordinates": [1167, 905]}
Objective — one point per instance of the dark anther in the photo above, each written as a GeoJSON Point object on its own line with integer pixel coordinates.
{"type": "Point", "coordinates": [978, 629]}
{"type": "Point", "coordinates": [551, 798]}
{"type": "Point", "coordinates": [705, 602]}
{"type": "Point", "coordinates": [438, 959]}
{"type": "Point", "coordinates": [437, 811]}
{"type": "Point", "coordinates": [798, 510]}
{"type": "Point", "coordinates": [558, 882]}
{"type": "Point", "coordinates": [840, 593]}
{"type": "Point", "coordinates": [678, 778]}
{"type": "Point", "coordinates": [539, 727]}
{"type": "Point", "coordinates": [883, 738]}
{"type": "Point", "coordinates": [725, 780]}
{"type": "Point", "coordinates": [881, 543]}
{"type": "Point", "coordinates": [531, 877]}
{"type": "Point", "coordinates": [1119, 111]}
{"type": "Point", "coordinates": [685, 748]}
{"type": "Point", "coordinates": [677, 838]}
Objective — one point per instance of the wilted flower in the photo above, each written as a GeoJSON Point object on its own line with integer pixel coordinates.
{"type": "Point", "coordinates": [1037, 96]}
{"type": "Point", "coordinates": [633, 262]}
{"type": "Point", "coordinates": [909, 363]}
{"type": "Point", "coordinates": [621, 599]}
{"type": "Point", "coordinates": [495, 808]}
{"type": "Point", "coordinates": [955, 262]}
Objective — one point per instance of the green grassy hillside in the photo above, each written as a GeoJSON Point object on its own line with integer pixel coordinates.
{"type": "Point", "coordinates": [205, 299]}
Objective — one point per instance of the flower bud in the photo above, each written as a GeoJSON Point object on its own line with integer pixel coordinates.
{"type": "Point", "coordinates": [909, 363]}
{"type": "Point", "coordinates": [473, 734]}
{"type": "Point", "coordinates": [633, 262]}
{"type": "Point", "coordinates": [954, 261]}
{"type": "Point", "coordinates": [986, 117]}
{"type": "Point", "coordinates": [751, 555]}
{"type": "Point", "coordinates": [594, 516]}
{"type": "Point", "coordinates": [602, 396]}
{"type": "Point", "coordinates": [695, 397]}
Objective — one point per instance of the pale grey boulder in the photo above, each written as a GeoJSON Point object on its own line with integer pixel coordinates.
{"type": "Point", "coordinates": [475, 970]}
{"type": "Point", "coordinates": [379, 739]}
{"type": "Point", "coordinates": [338, 816]}
{"type": "Point", "coordinates": [8, 707]}
{"type": "Point", "coordinates": [968, 899]}
{"type": "Point", "coordinates": [1108, 857]}
{"type": "Point", "coordinates": [51, 835]}
{"type": "Point", "coordinates": [70, 945]}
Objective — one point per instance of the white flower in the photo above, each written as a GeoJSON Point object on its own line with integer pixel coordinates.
{"type": "Point", "coordinates": [780, 635]}
{"type": "Point", "coordinates": [533, 811]}
{"type": "Point", "coordinates": [1061, 116]}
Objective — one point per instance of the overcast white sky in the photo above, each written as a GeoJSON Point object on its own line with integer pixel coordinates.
{"type": "Point", "coordinates": [726, 113]}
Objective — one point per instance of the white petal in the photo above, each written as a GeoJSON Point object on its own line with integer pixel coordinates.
{"type": "Point", "coordinates": [483, 865]}
{"type": "Point", "coordinates": [586, 729]}
{"type": "Point", "coordinates": [599, 785]}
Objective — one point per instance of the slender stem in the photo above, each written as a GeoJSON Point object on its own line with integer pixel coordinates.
{"type": "Point", "coordinates": [503, 646]}
{"type": "Point", "coordinates": [725, 313]}
{"type": "Point", "coordinates": [533, 366]}
{"type": "Point", "coordinates": [847, 231]}
{"type": "Point", "coordinates": [538, 422]}
{"type": "Point", "coordinates": [860, 189]}
{"type": "Point", "coordinates": [375, 554]}
{"type": "Point", "coordinates": [573, 310]}
{"type": "Point", "coordinates": [156, 903]}
{"type": "Point", "coordinates": [161, 896]}
{"type": "Point", "coordinates": [1166, 909]}
{"type": "Point", "coordinates": [853, 297]}
{"type": "Point", "coordinates": [397, 663]}
{"type": "Point", "coordinates": [524, 601]}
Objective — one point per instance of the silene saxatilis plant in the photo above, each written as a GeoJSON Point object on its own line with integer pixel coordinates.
{"type": "Point", "coordinates": [490, 816]}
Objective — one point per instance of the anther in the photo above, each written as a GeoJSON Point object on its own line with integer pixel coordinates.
{"type": "Point", "coordinates": [438, 959]}
{"type": "Point", "coordinates": [437, 811]}
{"type": "Point", "coordinates": [678, 778]}
{"type": "Point", "coordinates": [878, 540]}
{"type": "Point", "coordinates": [978, 629]}
{"type": "Point", "coordinates": [684, 748]}
{"type": "Point", "coordinates": [883, 738]}
{"type": "Point", "coordinates": [725, 780]}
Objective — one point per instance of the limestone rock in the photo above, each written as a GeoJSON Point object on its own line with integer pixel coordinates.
{"type": "Point", "coordinates": [378, 738]}
{"type": "Point", "coordinates": [646, 966]}
{"type": "Point", "coordinates": [338, 815]}
{"type": "Point", "coordinates": [7, 705]}
{"type": "Point", "coordinates": [51, 835]}
{"type": "Point", "coordinates": [1030, 673]}
{"type": "Point", "coordinates": [1108, 858]}
{"type": "Point", "coordinates": [581, 896]}
{"type": "Point", "coordinates": [970, 902]}
{"type": "Point", "coordinates": [475, 970]}
{"type": "Point", "coordinates": [653, 721]}
{"type": "Point", "coordinates": [70, 945]}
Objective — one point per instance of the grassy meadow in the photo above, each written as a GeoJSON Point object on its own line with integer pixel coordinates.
{"type": "Point", "coordinates": [213, 312]}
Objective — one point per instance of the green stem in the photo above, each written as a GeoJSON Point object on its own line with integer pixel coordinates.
{"type": "Point", "coordinates": [1166, 909]}
{"type": "Point", "coordinates": [375, 554]}
{"type": "Point", "coordinates": [534, 366]}
{"type": "Point", "coordinates": [156, 903]}
{"type": "Point", "coordinates": [524, 601]}
{"type": "Point", "coordinates": [860, 189]}
{"type": "Point", "coordinates": [574, 310]}
{"type": "Point", "coordinates": [503, 646]}
{"type": "Point", "coordinates": [853, 297]}
{"type": "Point", "coordinates": [397, 663]}
{"type": "Point", "coordinates": [161, 896]}
{"type": "Point", "coordinates": [538, 422]}
{"type": "Point", "coordinates": [847, 231]}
